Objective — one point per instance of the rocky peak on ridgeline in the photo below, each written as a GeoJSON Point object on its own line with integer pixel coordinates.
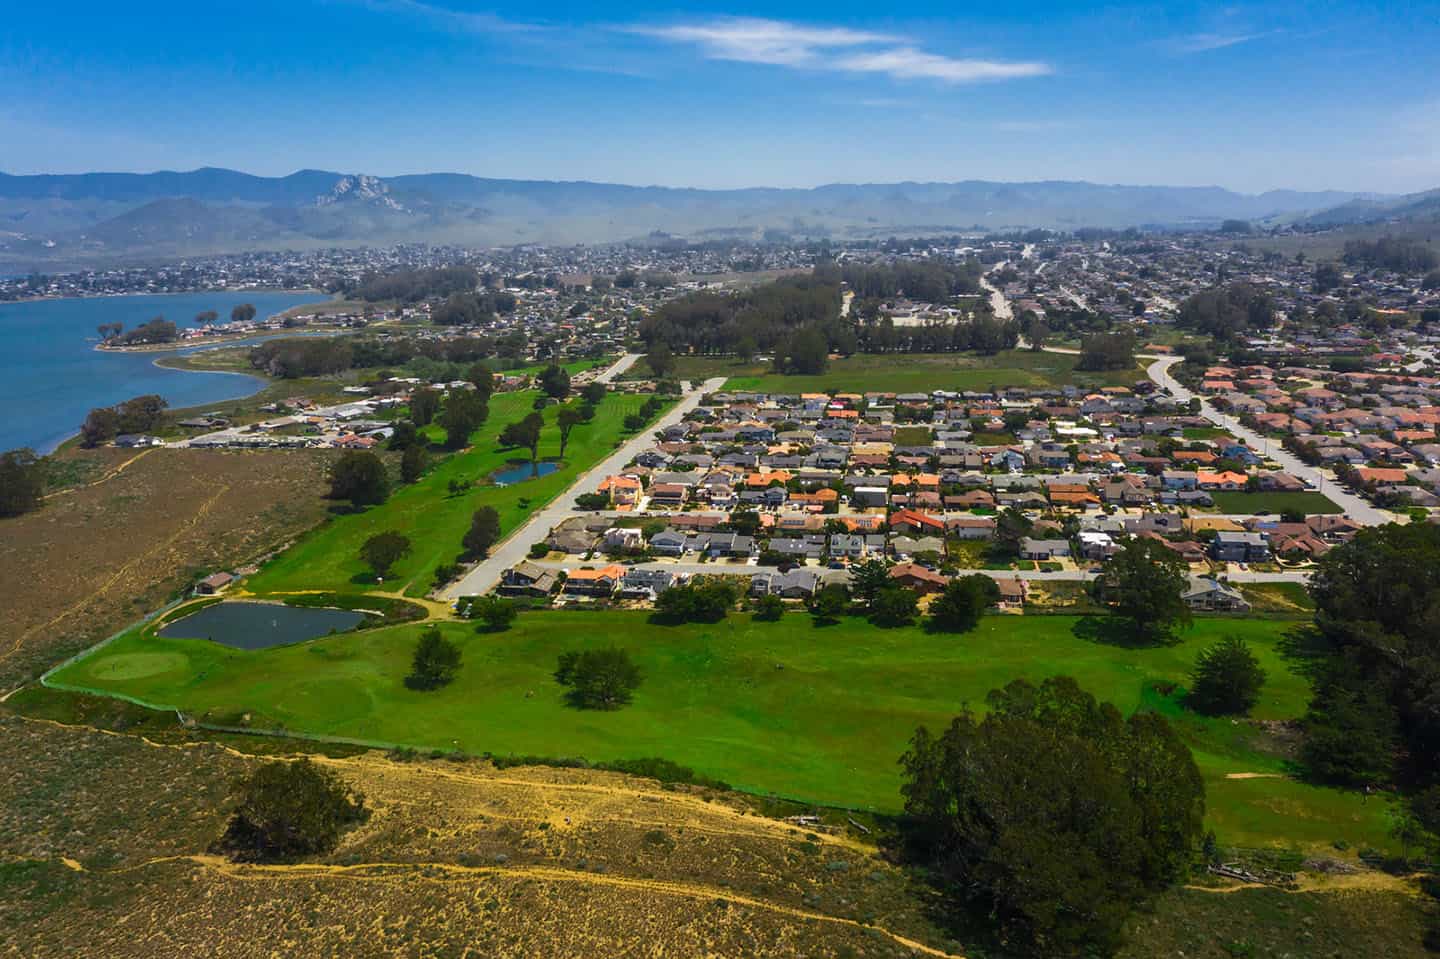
{"type": "Point", "coordinates": [360, 188]}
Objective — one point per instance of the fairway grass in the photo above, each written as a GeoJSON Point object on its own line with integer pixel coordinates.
{"type": "Point", "coordinates": [814, 713]}
{"type": "Point", "coordinates": [435, 520]}
{"type": "Point", "coordinates": [925, 372]}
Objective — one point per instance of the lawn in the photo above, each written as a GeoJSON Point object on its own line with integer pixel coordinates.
{"type": "Point", "coordinates": [433, 518]}
{"type": "Point", "coordinates": [924, 372]}
{"type": "Point", "coordinates": [1249, 504]}
{"type": "Point", "coordinates": [818, 713]}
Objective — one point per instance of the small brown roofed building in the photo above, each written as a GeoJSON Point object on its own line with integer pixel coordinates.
{"type": "Point", "coordinates": [918, 578]}
{"type": "Point", "coordinates": [214, 583]}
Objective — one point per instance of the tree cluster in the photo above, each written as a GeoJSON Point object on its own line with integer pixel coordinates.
{"type": "Point", "coordinates": [598, 678]}
{"type": "Point", "coordinates": [1398, 254]}
{"type": "Point", "coordinates": [411, 286]}
{"type": "Point", "coordinates": [1053, 814]}
{"type": "Point", "coordinates": [1227, 311]}
{"type": "Point", "coordinates": [699, 601]}
{"type": "Point", "coordinates": [1107, 351]}
{"type": "Point", "coordinates": [290, 809]}
{"type": "Point", "coordinates": [304, 356]}
{"type": "Point", "coordinates": [141, 414]}
{"type": "Point", "coordinates": [22, 482]}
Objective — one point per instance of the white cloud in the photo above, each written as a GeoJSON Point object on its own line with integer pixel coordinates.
{"type": "Point", "coordinates": [450, 19]}
{"type": "Point", "coordinates": [779, 43]}
{"type": "Point", "coordinates": [752, 40]}
{"type": "Point", "coordinates": [907, 63]}
{"type": "Point", "coordinates": [1202, 42]}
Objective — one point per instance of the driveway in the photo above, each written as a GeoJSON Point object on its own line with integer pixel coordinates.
{"type": "Point", "coordinates": [1356, 507]}
{"type": "Point", "coordinates": [516, 546]}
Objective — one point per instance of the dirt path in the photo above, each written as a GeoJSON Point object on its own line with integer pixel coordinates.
{"type": "Point", "coordinates": [119, 468]}
{"type": "Point", "coordinates": [441, 872]}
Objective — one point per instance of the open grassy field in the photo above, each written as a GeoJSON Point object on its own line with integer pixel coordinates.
{"type": "Point", "coordinates": [435, 520]}
{"type": "Point", "coordinates": [132, 528]}
{"type": "Point", "coordinates": [923, 372]}
{"type": "Point", "coordinates": [817, 713]}
{"type": "Point", "coordinates": [1307, 502]}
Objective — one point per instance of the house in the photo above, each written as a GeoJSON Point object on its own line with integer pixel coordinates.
{"type": "Point", "coordinates": [668, 494]}
{"type": "Point", "coordinates": [855, 546]}
{"type": "Point", "coordinates": [623, 490]}
{"type": "Point", "coordinates": [1211, 595]}
{"type": "Point", "coordinates": [214, 583]}
{"type": "Point", "coordinates": [624, 538]}
{"type": "Point", "coordinates": [811, 546]}
{"type": "Point", "coordinates": [594, 582]}
{"type": "Point", "coordinates": [1228, 547]}
{"type": "Point", "coordinates": [970, 527]}
{"type": "Point", "coordinates": [646, 584]}
{"type": "Point", "coordinates": [528, 579]}
{"type": "Point", "coordinates": [1222, 480]}
{"type": "Point", "coordinates": [1013, 593]}
{"type": "Point", "coordinates": [722, 544]}
{"type": "Point", "coordinates": [668, 542]}
{"type": "Point", "coordinates": [912, 521]}
{"type": "Point", "coordinates": [903, 547]}
{"type": "Point", "coordinates": [1179, 480]}
{"type": "Point", "coordinates": [571, 539]}
{"type": "Point", "coordinates": [796, 584]}
{"type": "Point", "coordinates": [918, 578]}
{"type": "Point", "coordinates": [1097, 545]}
{"type": "Point", "coordinates": [1043, 549]}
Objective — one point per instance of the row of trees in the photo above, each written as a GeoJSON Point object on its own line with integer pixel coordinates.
{"type": "Point", "coordinates": [158, 330]}
{"type": "Point", "coordinates": [1227, 311]}
{"type": "Point", "coordinates": [411, 286]}
{"type": "Point", "coordinates": [142, 414]}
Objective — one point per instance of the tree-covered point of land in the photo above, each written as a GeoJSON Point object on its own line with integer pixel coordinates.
{"type": "Point", "coordinates": [1053, 814]}
{"type": "Point", "coordinates": [22, 482]}
{"type": "Point", "coordinates": [598, 678]}
{"type": "Point", "coordinates": [141, 414]}
{"type": "Point", "coordinates": [290, 809]}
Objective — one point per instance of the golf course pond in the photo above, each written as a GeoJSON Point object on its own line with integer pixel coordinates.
{"type": "Point", "coordinates": [518, 472]}
{"type": "Point", "coordinates": [243, 625]}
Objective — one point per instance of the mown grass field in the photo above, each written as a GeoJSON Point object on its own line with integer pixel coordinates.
{"type": "Point", "coordinates": [434, 519]}
{"type": "Point", "coordinates": [817, 713]}
{"type": "Point", "coordinates": [924, 372]}
{"type": "Point", "coordinates": [1307, 502]}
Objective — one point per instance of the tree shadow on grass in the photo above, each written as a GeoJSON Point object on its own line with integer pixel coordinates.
{"type": "Point", "coordinates": [1116, 631]}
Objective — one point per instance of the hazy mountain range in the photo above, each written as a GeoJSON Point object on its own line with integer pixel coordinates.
{"type": "Point", "coordinates": [59, 221]}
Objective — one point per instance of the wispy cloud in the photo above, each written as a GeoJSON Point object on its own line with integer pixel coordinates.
{"type": "Point", "coordinates": [780, 43]}
{"type": "Point", "coordinates": [463, 20]}
{"type": "Point", "coordinates": [1203, 42]}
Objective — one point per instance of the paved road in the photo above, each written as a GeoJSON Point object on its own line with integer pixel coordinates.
{"type": "Point", "coordinates": [720, 569]}
{"type": "Point", "coordinates": [1356, 508]}
{"type": "Point", "coordinates": [516, 546]}
{"type": "Point", "coordinates": [618, 367]}
{"type": "Point", "coordinates": [998, 303]}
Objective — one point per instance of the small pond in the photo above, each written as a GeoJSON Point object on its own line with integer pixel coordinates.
{"type": "Point", "coordinates": [524, 470]}
{"type": "Point", "coordinates": [261, 625]}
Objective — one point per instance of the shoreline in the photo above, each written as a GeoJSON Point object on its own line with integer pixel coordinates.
{"type": "Point", "coordinates": [209, 342]}
{"type": "Point", "coordinates": [102, 296]}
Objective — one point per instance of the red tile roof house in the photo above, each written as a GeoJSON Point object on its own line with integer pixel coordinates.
{"type": "Point", "coordinates": [912, 521]}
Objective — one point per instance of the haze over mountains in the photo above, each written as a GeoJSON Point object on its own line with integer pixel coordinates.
{"type": "Point", "coordinates": [65, 221]}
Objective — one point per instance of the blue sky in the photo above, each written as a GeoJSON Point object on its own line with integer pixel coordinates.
{"type": "Point", "coordinates": [1298, 95]}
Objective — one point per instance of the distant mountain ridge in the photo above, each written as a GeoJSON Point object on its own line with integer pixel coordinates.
{"type": "Point", "coordinates": [104, 217]}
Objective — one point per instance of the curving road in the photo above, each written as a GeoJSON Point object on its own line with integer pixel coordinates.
{"type": "Point", "coordinates": [1356, 508]}
{"type": "Point", "coordinates": [516, 546]}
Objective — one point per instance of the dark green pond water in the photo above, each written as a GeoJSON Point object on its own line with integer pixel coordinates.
{"type": "Point", "coordinates": [261, 625]}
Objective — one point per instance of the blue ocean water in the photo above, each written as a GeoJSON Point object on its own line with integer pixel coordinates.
{"type": "Point", "coordinates": [51, 376]}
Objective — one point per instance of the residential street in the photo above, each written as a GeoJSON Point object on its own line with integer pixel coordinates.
{"type": "Point", "coordinates": [516, 546]}
{"type": "Point", "coordinates": [1355, 507]}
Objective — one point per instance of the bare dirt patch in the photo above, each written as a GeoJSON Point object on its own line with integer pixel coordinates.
{"type": "Point", "coordinates": [99, 555]}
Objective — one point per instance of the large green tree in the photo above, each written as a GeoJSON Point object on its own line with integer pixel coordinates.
{"type": "Point", "coordinates": [555, 381]}
{"type": "Point", "coordinates": [525, 434]}
{"type": "Point", "coordinates": [359, 476]}
{"type": "Point", "coordinates": [384, 550]}
{"type": "Point", "coordinates": [290, 809]}
{"type": "Point", "coordinates": [1227, 679]}
{"type": "Point", "coordinates": [1053, 814]}
{"type": "Point", "coordinates": [435, 662]}
{"type": "Point", "coordinates": [22, 482]}
{"type": "Point", "coordinates": [465, 412]}
{"type": "Point", "coordinates": [1144, 585]}
{"type": "Point", "coordinates": [484, 531]}
{"type": "Point", "coordinates": [959, 608]}
{"type": "Point", "coordinates": [424, 404]}
{"type": "Point", "coordinates": [599, 678]}
{"type": "Point", "coordinates": [566, 419]}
